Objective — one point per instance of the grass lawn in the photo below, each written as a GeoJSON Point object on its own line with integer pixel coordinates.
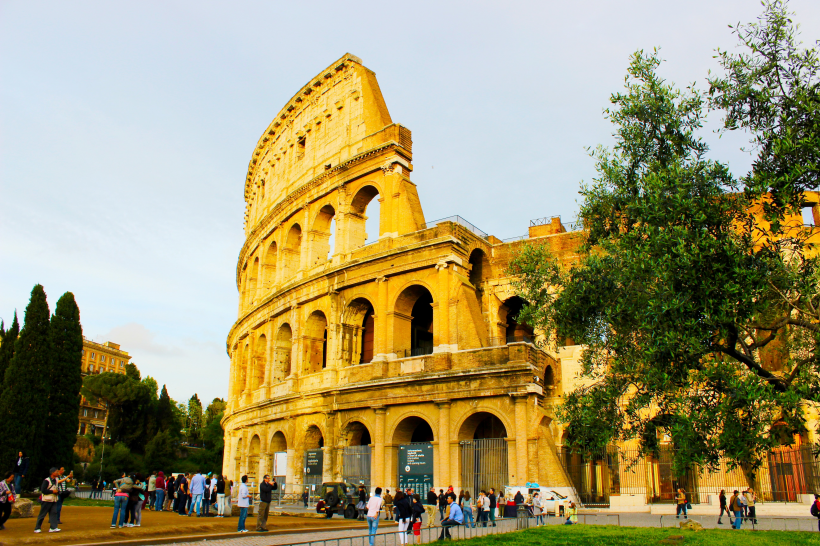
{"type": "Point", "coordinates": [594, 535]}
{"type": "Point", "coordinates": [87, 502]}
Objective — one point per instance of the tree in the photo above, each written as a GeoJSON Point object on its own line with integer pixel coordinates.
{"type": "Point", "coordinates": [194, 424]}
{"type": "Point", "coordinates": [153, 387]}
{"type": "Point", "coordinates": [166, 419]}
{"type": "Point", "coordinates": [66, 346]}
{"type": "Point", "coordinates": [7, 341]}
{"type": "Point", "coordinates": [682, 288]}
{"type": "Point", "coordinates": [160, 452]}
{"type": "Point", "coordinates": [132, 372]}
{"type": "Point", "coordinates": [129, 406]}
{"type": "Point", "coordinates": [215, 410]}
{"type": "Point", "coordinates": [24, 400]}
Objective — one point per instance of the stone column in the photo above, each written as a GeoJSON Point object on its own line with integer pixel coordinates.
{"type": "Point", "coordinates": [443, 443]}
{"type": "Point", "coordinates": [521, 439]}
{"type": "Point", "coordinates": [377, 470]}
{"type": "Point", "coordinates": [443, 315]}
{"type": "Point", "coordinates": [270, 355]}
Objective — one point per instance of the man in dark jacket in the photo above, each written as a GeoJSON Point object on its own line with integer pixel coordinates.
{"type": "Point", "coordinates": [265, 489]}
{"type": "Point", "coordinates": [493, 505]}
{"type": "Point", "coordinates": [49, 503]}
{"type": "Point", "coordinates": [20, 470]}
{"type": "Point", "coordinates": [432, 498]}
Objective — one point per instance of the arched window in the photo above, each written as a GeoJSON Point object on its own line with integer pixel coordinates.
{"type": "Point", "coordinates": [315, 339]}
{"type": "Point", "coordinates": [284, 341]}
{"type": "Point", "coordinates": [413, 322]}
{"type": "Point", "coordinates": [363, 221]}
{"type": "Point", "coordinates": [252, 272]}
{"type": "Point", "coordinates": [479, 267]}
{"type": "Point", "coordinates": [322, 235]}
{"type": "Point", "coordinates": [269, 267]}
{"type": "Point", "coordinates": [259, 362]}
{"type": "Point", "coordinates": [515, 330]}
{"type": "Point", "coordinates": [292, 251]}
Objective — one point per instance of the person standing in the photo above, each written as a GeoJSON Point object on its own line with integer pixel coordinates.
{"type": "Point", "coordinates": [750, 505]}
{"type": "Point", "coordinates": [815, 509]}
{"type": "Point", "coordinates": [680, 500]}
{"type": "Point", "coordinates": [388, 505]}
{"type": "Point", "coordinates": [737, 508]}
{"type": "Point", "coordinates": [62, 491]}
{"type": "Point", "coordinates": [374, 509]}
{"type": "Point", "coordinates": [243, 503]}
{"type": "Point", "coordinates": [493, 505]}
{"type": "Point", "coordinates": [159, 491]}
{"type": "Point", "coordinates": [137, 496]}
{"type": "Point", "coordinates": [454, 519]}
{"type": "Point", "coordinates": [466, 505]}
{"type": "Point", "coordinates": [416, 511]}
{"type": "Point", "coordinates": [6, 498]}
{"type": "Point", "coordinates": [212, 493]}
{"type": "Point", "coordinates": [262, 510]}
{"type": "Point", "coordinates": [197, 490]}
{"type": "Point", "coordinates": [182, 494]}
{"type": "Point", "coordinates": [49, 490]}
{"type": "Point", "coordinates": [20, 470]}
{"type": "Point", "coordinates": [306, 497]}
{"type": "Point", "coordinates": [152, 490]}
{"type": "Point", "coordinates": [206, 496]}
{"type": "Point", "coordinates": [480, 508]}
{"type": "Point", "coordinates": [220, 497]}
{"type": "Point", "coordinates": [537, 506]}
{"type": "Point", "coordinates": [169, 492]}
{"type": "Point", "coordinates": [361, 506]}
{"type": "Point", "coordinates": [402, 508]}
{"type": "Point", "coordinates": [442, 504]}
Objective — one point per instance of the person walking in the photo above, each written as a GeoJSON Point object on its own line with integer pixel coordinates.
{"type": "Point", "coordinates": [374, 509]}
{"type": "Point", "coordinates": [197, 491]}
{"type": "Point", "coordinates": [416, 512]}
{"type": "Point", "coordinates": [442, 503]}
{"type": "Point", "coordinates": [243, 503]}
{"type": "Point", "coordinates": [402, 508]}
{"type": "Point", "coordinates": [492, 505]}
{"type": "Point", "coordinates": [737, 508]}
{"type": "Point", "coordinates": [220, 497]}
{"type": "Point", "coordinates": [262, 510]}
{"type": "Point", "coordinates": [6, 498]}
{"type": "Point", "coordinates": [680, 500]}
{"type": "Point", "coordinates": [388, 505]}
{"type": "Point", "coordinates": [152, 490]}
{"type": "Point", "coordinates": [21, 463]}
{"type": "Point", "coordinates": [466, 506]}
{"type": "Point", "coordinates": [159, 492]}
{"type": "Point", "coordinates": [724, 508]}
{"type": "Point", "coordinates": [537, 508]}
{"type": "Point", "coordinates": [454, 519]}
{"type": "Point", "coordinates": [750, 505]}
{"type": "Point", "coordinates": [815, 509]}
{"type": "Point", "coordinates": [49, 490]}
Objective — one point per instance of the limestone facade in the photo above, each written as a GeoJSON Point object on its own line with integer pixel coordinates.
{"type": "Point", "coordinates": [98, 358]}
{"type": "Point", "coordinates": [356, 351]}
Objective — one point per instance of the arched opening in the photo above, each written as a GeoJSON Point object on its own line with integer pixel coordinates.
{"type": "Point", "coordinates": [356, 434]}
{"type": "Point", "coordinates": [368, 334]}
{"type": "Point", "coordinates": [315, 340]}
{"type": "Point", "coordinates": [278, 442]}
{"type": "Point", "coordinates": [252, 273]}
{"type": "Point", "coordinates": [356, 453]}
{"type": "Point", "coordinates": [549, 378]}
{"type": "Point", "coordinates": [242, 370]}
{"type": "Point", "coordinates": [314, 438]}
{"type": "Point", "coordinates": [358, 332]}
{"type": "Point", "coordinates": [269, 266]}
{"type": "Point", "coordinates": [279, 459]}
{"type": "Point", "coordinates": [413, 430]}
{"type": "Point", "coordinates": [515, 330]}
{"type": "Point", "coordinates": [258, 362]}
{"type": "Point", "coordinates": [479, 267]}
{"type": "Point", "coordinates": [484, 456]}
{"type": "Point", "coordinates": [292, 251]}
{"type": "Point", "coordinates": [413, 322]}
{"type": "Point", "coordinates": [363, 222]}
{"type": "Point", "coordinates": [238, 461]}
{"type": "Point", "coordinates": [253, 459]}
{"type": "Point", "coordinates": [284, 342]}
{"type": "Point", "coordinates": [321, 235]}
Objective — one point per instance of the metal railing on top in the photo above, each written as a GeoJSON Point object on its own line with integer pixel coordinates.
{"type": "Point", "coordinates": [457, 220]}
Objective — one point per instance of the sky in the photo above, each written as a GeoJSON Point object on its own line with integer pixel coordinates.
{"type": "Point", "coordinates": [126, 129]}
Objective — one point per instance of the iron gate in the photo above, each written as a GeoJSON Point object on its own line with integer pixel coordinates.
{"type": "Point", "coordinates": [356, 465]}
{"type": "Point", "coordinates": [484, 465]}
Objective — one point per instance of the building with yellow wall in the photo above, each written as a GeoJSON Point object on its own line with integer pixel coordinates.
{"type": "Point", "coordinates": [98, 358]}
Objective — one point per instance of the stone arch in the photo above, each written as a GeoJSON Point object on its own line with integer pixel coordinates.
{"type": "Point", "coordinates": [251, 283]}
{"type": "Point", "coordinates": [282, 360]}
{"type": "Point", "coordinates": [412, 428]}
{"type": "Point", "coordinates": [481, 423]}
{"type": "Point", "coordinates": [357, 218]}
{"type": "Point", "coordinates": [269, 266]}
{"type": "Point", "coordinates": [242, 369]}
{"type": "Point", "coordinates": [321, 235]}
{"type": "Point", "coordinates": [355, 433]}
{"type": "Point", "coordinates": [292, 251]}
{"type": "Point", "coordinates": [278, 442]}
{"type": "Point", "coordinates": [254, 452]}
{"type": "Point", "coordinates": [315, 343]}
{"type": "Point", "coordinates": [549, 378]}
{"type": "Point", "coordinates": [258, 362]}
{"type": "Point", "coordinates": [314, 439]}
{"type": "Point", "coordinates": [413, 321]}
{"type": "Point", "coordinates": [479, 267]}
{"type": "Point", "coordinates": [508, 317]}
{"type": "Point", "coordinates": [358, 331]}
{"type": "Point", "coordinates": [238, 460]}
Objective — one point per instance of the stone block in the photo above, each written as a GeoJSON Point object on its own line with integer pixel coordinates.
{"type": "Point", "coordinates": [23, 508]}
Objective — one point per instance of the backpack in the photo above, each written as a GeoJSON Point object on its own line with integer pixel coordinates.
{"type": "Point", "coordinates": [814, 510]}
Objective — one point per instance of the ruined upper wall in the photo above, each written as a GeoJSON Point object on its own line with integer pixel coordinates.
{"type": "Point", "coordinates": [322, 125]}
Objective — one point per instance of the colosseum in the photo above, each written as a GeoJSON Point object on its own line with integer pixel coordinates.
{"type": "Point", "coordinates": [396, 362]}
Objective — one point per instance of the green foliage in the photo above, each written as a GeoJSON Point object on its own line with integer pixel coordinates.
{"type": "Point", "coordinates": [132, 372]}
{"type": "Point", "coordinates": [215, 410]}
{"type": "Point", "coordinates": [193, 426]}
{"type": "Point", "coordinates": [66, 345]}
{"type": "Point", "coordinates": [160, 453]}
{"type": "Point", "coordinates": [153, 387]}
{"type": "Point", "coordinates": [681, 292]}
{"type": "Point", "coordinates": [24, 400]}
{"type": "Point", "coordinates": [131, 412]}
{"type": "Point", "coordinates": [7, 341]}
{"type": "Point", "coordinates": [166, 418]}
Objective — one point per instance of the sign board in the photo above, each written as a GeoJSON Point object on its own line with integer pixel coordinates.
{"type": "Point", "coordinates": [313, 463]}
{"type": "Point", "coordinates": [416, 467]}
{"type": "Point", "coordinates": [280, 463]}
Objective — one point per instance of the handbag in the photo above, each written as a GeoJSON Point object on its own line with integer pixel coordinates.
{"type": "Point", "coordinates": [688, 505]}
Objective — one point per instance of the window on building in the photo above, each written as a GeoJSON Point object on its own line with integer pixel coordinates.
{"type": "Point", "coordinates": [82, 429]}
{"type": "Point", "coordinates": [91, 367]}
{"type": "Point", "coordinates": [102, 358]}
{"type": "Point", "coordinates": [121, 364]}
{"type": "Point", "coordinates": [300, 147]}
{"type": "Point", "coordinates": [93, 355]}
{"type": "Point", "coordinates": [85, 412]}
{"type": "Point", "coordinates": [83, 352]}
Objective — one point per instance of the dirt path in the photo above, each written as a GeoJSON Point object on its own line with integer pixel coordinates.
{"type": "Point", "coordinates": [85, 525]}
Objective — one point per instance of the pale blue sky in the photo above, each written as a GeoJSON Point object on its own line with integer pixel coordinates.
{"type": "Point", "coordinates": [126, 130]}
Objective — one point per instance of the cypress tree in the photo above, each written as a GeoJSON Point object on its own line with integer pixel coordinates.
{"type": "Point", "coordinates": [9, 338]}
{"type": "Point", "coordinates": [165, 414]}
{"type": "Point", "coordinates": [24, 401]}
{"type": "Point", "coordinates": [66, 344]}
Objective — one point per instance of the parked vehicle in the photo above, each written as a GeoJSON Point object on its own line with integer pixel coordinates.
{"type": "Point", "coordinates": [340, 498]}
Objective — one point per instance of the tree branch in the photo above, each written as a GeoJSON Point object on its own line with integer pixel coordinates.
{"type": "Point", "coordinates": [731, 350]}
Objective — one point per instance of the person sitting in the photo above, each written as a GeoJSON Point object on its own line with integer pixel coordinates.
{"type": "Point", "coordinates": [454, 518]}
{"type": "Point", "coordinates": [320, 506]}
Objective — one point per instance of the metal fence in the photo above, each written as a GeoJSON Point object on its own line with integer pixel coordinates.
{"type": "Point", "coordinates": [483, 464]}
{"type": "Point", "coordinates": [787, 473]}
{"type": "Point", "coordinates": [456, 220]}
{"type": "Point", "coordinates": [89, 494]}
{"type": "Point", "coordinates": [356, 465]}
